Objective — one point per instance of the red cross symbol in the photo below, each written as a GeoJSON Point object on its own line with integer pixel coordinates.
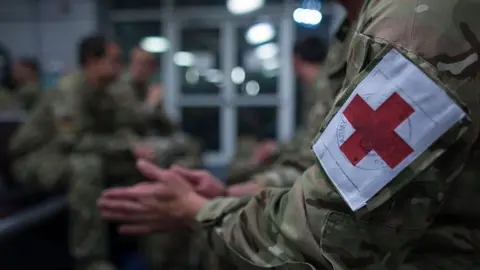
{"type": "Point", "coordinates": [375, 130]}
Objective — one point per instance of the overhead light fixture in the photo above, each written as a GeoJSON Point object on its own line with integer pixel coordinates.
{"type": "Point", "coordinates": [252, 88]}
{"type": "Point", "coordinates": [238, 75]}
{"type": "Point", "coordinates": [260, 33]}
{"type": "Point", "coordinates": [239, 7]}
{"type": "Point", "coordinates": [184, 59]}
{"type": "Point", "coordinates": [155, 44]}
{"type": "Point", "coordinates": [308, 17]}
{"type": "Point", "coordinates": [213, 76]}
{"type": "Point", "coordinates": [192, 76]}
{"type": "Point", "coordinates": [266, 51]}
{"type": "Point", "coordinates": [270, 64]}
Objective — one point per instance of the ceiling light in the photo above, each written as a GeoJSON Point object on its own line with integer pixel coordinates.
{"type": "Point", "coordinates": [192, 76]}
{"type": "Point", "coordinates": [260, 33]}
{"type": "Point", "coordinates": [307, 16]}
{"type": "Point", "coordinates": [213, 76]}
{"type": "Point", "coordinates": [239, 7]}
{"type": "Point", "coordinates": [252, 88]}
{"type": "Point", "coordinates": [271, 64]}
{"type": "Point", "coordinates": [238, 75]}
{"type": "Point", "coordinates": [155, 44]}
{"type": "Point", "coordinates": [184, 59]}
{"type": "Point", "coordinates": [266, 51]}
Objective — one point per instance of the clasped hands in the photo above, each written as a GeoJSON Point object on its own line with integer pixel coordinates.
{"type": "Point", "coordinates": [170, 200]}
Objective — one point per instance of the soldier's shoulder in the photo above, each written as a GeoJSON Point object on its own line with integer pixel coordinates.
{"type": "Point", "coordinates": [68, 83]}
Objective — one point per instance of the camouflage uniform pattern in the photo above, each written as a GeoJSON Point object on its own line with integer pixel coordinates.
{"type": "Point", "coordinates": [296, 156]}
{"type": "Point", "coordinates": [311, 227]}
{"type": "Point", "coordinates": [73, 135]}
{"type": "Point", "coordinates": [29, 94]}
{"type": "Point", "coordinates": [243, 165]}
{"type": "Point", "coordinates": [175, 250]}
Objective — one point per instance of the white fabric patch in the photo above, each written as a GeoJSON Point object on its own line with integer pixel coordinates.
{"type": "Point", "coordinates": [390, 118]}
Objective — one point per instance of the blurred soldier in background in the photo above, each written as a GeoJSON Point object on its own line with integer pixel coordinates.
{"type": "Point", "coordinates": [324, 83]}
{"type": "Point", "coordinates": [309, 55]}
{"type": "Point", "coordinates": [141, 105]}
{"type": "Point", "coordinates": [26, 73]}
{"type": "Point", "coordinates": [72, 136]}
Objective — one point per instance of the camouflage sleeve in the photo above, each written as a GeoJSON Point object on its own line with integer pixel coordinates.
{"type": "Point", "coordinates": [73, 129]}
{"type": "Point", "coordinates": [158, 120]}
{"type": "Point", "coordinates": [311, 226]}
{"type": "Point", "coordinates": [36, 131]}
{"type": "Point", "coordinates": [178, 148]}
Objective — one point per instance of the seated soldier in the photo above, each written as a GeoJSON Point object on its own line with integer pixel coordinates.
{"type": "Point", "coordinates": [278, 165]}
{"type": "Point", "coordinates": [141, 106]}
{"type": "Point", "coordinates": [74, 139]}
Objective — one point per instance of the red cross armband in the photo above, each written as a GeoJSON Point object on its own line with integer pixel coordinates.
{"type": "Point", "coordinates": [388, 119]}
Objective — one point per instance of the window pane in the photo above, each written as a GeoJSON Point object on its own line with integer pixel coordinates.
{"type": "Point", "coordinates": [260, 123]}
{"type": "Point", "coordinates": [204, 124]}
{"type": "Point", "coordinates": [137, 4]}
{"type": "Point", "coordinates": [258, 60]}
{"type": "Point", "coordinates": [132, 34]}
{"type": "Point", "coordinates": [199, 60]}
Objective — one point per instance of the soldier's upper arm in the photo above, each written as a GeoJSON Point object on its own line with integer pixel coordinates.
{"type": "Point", "coordinates": [397, 137]}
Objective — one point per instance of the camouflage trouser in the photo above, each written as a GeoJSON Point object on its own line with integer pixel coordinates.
{"type": "Point", "coordinates": [89, 237]}
{"type": "Point", "coordinates": [89, 233]}
{"type": "Point", "coordinates": [43, 169]}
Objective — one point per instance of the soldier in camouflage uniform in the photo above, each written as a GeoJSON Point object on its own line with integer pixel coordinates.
{"type": "Point", "coordinates": [74, 140]}
{"type": "Point", "coordinates": [143, 104]}
{"type": "Point", "coordinates": [26, 74]}
{"type": "Point", "coordinates": [390, 191]}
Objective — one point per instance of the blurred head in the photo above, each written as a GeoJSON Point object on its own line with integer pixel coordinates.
{"type": "Point", "coordinates": [142, 65]}
{"type": "Point", "coordinates": [353, 8]}
{"type": "Point", "coordinates": [308, 56]}
{"type": "Point", "coordinates": [26, 70]}
{"type": "Point", "coordinates": [100, 57]}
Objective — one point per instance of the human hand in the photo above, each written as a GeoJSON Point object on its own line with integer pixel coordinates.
{"type": "Point", "coordinates": [143, 151]}
{"type": "Point", "coordinates": [264, 151]}
{"type": "Point", "coordinates": [155, 94]}
{"type": "Point", "coordinates": [203, 182]}
{"type": "Point", "coordinates": [166, 203]}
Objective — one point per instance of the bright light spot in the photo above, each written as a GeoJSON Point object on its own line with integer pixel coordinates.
{"type": "Point", "coordinates": [238, 75]}
{"type": "Point", "coordinates": [155, 44]}
{"type": "Point", "coordinates": [192, 76]}
{"type": "Point", "coordinates": [184, 59]}
{"type": "Point", "coordinates": [266, 51]}
{"type": "Point", "coordinates": [238, 7]}
{"type": "Point", "coordinates": [270, 73]}
{"type": "Point", "coordinates": [260, 33]}
{"type": "Point", "coordinates": [307, 16]}
{"type": "Point", "coordinates": [213, 76]}
{"type": "Point", "coordinates": [270, 64]}
{"type": "Point", "coordinates": [252, 88]}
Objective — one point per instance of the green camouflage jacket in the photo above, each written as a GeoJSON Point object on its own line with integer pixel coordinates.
{"type": "Point", "coordinates": [419, 61]}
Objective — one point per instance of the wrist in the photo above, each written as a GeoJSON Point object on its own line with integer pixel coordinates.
{"type": "Point", "coordinates": [193, 203]}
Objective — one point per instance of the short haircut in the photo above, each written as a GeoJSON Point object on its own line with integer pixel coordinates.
{"type": "Point", "coordinates": [91, 47]}
{"type": "Point", "coordinates": [30, 63]}
{"type": "Point", "coordinates": [311, 49]}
